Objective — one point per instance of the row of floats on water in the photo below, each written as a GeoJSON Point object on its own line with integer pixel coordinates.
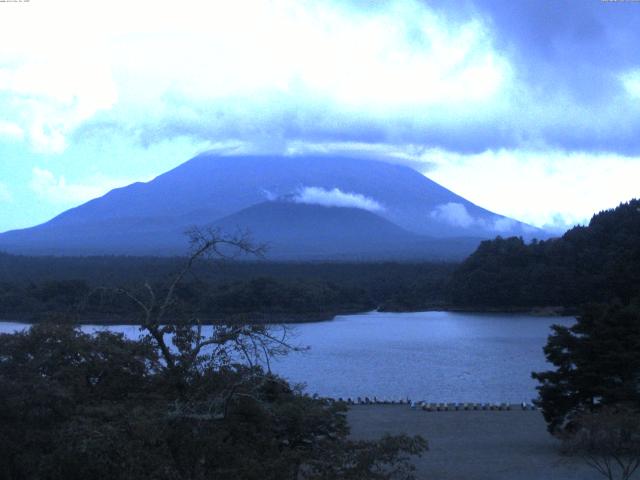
{"type": "Point", "coordinates": [438, 407]}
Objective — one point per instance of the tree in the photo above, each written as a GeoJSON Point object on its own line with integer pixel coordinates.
{"type": "Point", "coordinates": [181, 343]}
{"type": "Point", "coordinates": [608, 440]}
{"type": "Point", "coordinates": [596, 263]}
{"type": "Point", "coordinates": [181, 402]}
{"type": "Point", "coordinates": [597, 364]}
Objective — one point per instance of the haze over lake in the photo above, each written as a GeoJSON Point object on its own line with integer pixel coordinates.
{"type": "Point", "coordinates": [433, 356]}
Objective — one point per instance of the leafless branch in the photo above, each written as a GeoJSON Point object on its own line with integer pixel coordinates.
{"type": "Point", "coordinates": [254, 343]}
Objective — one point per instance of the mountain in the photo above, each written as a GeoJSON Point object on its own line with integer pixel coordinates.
{"type": "Point", "coordinates": [267, 194]}
{"type": "Point", "coordinates": [294, 230]}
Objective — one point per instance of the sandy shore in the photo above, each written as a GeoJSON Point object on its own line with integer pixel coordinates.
{"type": "Point", "coordinates": [474, 445]}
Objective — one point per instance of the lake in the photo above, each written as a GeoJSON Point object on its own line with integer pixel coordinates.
{"type": "Point", "coordinates": [432, 356]}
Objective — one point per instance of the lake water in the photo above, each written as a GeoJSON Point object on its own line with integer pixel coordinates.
{"type": "Point", "coordinates": [432, 356]}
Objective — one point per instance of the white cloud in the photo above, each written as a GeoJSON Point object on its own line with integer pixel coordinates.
{"type": "Point", "coordinates": [551, 189]}
{"type": "Point", "coordinates": [503, 224]}
{"type": "Point", "coordinates": [454, 214]}
{"type": "Point", "coordinates": [320, 48]}
{"type": "Point", "coordinates": [56, 189]}
{"type": "Point", "coordinates": [558, 223]}
{"type": "Point", "coordinates": [11, 130]}
{"type": "Point", "coordinates": [49, 93]}
{"type": "Point", "coordinates": [336, 198]}
{"type": "Point", "coordinates": [631, 82]}
{"type": "Point", "coordinates": [228, 62]}
{"type": "Point", "coordinates": [269, 195]}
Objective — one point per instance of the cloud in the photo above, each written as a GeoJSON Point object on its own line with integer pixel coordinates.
{"type": "Point", "coordinates": [336, 198]}
{"type": "Point", "coordinates": [454, 214]}
{"type": "Point", "coordinates": [503, 224]}
{"type": "Point", "coordinates": [48, 98]}
{"type": "Point", "coordinates": [631, 81]}
{"type": "Point", "coordinates": [568, 46]}
{"type": "Point", "coordinates": [558, 224]}
{"type": "Point", "coordinates": [545, 188]}
{"type": "Point", "coordinates": [11, 131]}
{"type": "Point", "coordinates": [56, 189]}
{"type": "Point", "coordinates": [464, 77]}
{"type": "Point", "coordinates": [290, 69]}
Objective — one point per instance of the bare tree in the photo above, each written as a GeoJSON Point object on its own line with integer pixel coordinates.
{"type": "Point", "coordinates": [182, 343]}
{"type": "Point", "coordinates": [608, 440]}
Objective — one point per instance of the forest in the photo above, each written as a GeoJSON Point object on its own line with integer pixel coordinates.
{"type": "Point", "coordinates": [86, 289]}
{"type": "Point", "coordinates": [599, 262]}
{"type": "Point", "coordinates": [594, 263]}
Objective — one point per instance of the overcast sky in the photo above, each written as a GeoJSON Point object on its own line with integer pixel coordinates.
{"type": "Point", "coordinates": [529, 108]}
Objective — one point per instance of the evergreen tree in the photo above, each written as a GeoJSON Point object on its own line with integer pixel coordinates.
{"type": "Point", "coordinates": [597, 263]}
{"type": "Point", "coordinates": [597, 364]}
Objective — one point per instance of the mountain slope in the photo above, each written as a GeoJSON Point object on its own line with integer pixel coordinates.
{"type": "Point", "coordinates": [150, 218]}
{"type": "Point", "coordinates": [294, 231]}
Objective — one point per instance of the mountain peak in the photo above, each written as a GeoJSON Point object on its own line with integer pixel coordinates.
{"type": "Point", "coordinates": [150, 217]}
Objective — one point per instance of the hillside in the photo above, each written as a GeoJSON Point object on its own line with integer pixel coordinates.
{"type": "Point", "coordinates": [294, 231]}
{"type": "Point", "coordinates": [596, 263]}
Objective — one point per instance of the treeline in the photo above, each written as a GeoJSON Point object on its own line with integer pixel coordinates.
{"type": "Point", "coordinates": [260, 299]}
{"type": "Point", "coordinates": [91, 289]}
{"type": "Point", "coordinates": [596, 263]}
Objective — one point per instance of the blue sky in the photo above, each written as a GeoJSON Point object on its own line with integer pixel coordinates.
{"type": "Point", "coordinates": [528, 108]}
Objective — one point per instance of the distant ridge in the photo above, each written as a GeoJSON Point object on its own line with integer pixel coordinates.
{"type": "Point", "coordinates": [293, 230]}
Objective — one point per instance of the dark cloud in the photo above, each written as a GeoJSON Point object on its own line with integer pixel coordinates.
{"type": "Point", "coordinates": [572, 53]}
{"type": "Point", "coordinates": [578, 46]}
{"type": "Point", "coordinates": [573, 31]}
{"type": "Point", "coordinates": [565, 94]}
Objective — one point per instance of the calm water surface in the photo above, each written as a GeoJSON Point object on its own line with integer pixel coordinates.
{"type": "Point", "coordinates": [433, 356]}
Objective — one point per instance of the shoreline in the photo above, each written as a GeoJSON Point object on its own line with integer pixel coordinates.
{"type": "Point", "coordinates": [259, 318]}
{"type": "Point", "coordinates": [550, 310]}
{"type": "Point", "coordinates": [254, 318]}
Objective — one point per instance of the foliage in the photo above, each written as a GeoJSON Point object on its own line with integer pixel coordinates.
{"type": "Point", "coordinates": [35, 289]}
{"type": "Point", "coordinates": [597, 263]}
{"type": "Point", "coordinates": [76, 406]}
{"type": "Point", "coordinates": [608, 441]}
{"type": "Point", "coordinates": [597, 364]}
